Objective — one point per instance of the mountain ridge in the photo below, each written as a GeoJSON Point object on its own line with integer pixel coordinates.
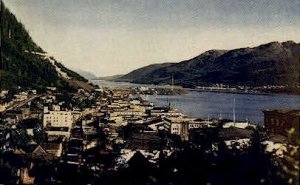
{"type": "Point", "coordinates": [272, 63]}
{"type": "Point", "coordinates": [86, 74]}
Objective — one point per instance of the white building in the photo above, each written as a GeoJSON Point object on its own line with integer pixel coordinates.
{"type": "Point", "coordinates": [57, 118]}
{"type": "Point", "coordinates": [242, 125]}
{"type": "Point", "coordinates": [182, 125]}
{"type": "Point", "coordinates": [57, 122]}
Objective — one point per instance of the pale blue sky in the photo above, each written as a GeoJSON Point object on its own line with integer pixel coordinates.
{"type": "Point", "coordinates": [110, 37]}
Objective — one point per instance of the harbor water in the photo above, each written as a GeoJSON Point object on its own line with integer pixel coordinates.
{"type": "Point", "coordinates": [214, 105]}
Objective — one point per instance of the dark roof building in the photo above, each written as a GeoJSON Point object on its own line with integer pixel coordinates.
{"type": "Point", "coordinates": [281, 121]}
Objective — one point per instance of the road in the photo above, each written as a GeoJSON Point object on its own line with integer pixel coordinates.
{"type": "Point", "coordinates": [20, 104]}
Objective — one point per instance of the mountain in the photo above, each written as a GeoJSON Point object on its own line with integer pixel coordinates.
{"type": "Point", "coordinates": [268, 64]}
{"type": "Point", "coordinates": [24, 64]}
{"type": "Point", "coordinates": [86, 74]}
{"type": "Point", "coordinates": [109, 78]}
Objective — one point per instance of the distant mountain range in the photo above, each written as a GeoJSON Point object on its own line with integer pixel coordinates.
{"type": "Point", "coordinates": [268, 64]}
{"type": "Point", "coordinates": [86, 74]}
{"type": "Point", "coordinates": [24, 64]}
{"type": "Point", "coordinates": [91, 76]}
{"type": "Point", "coordinates": [109, 78]}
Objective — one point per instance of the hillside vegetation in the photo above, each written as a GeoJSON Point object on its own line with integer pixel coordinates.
{"type": "Point", "coordinates": [23, 62]}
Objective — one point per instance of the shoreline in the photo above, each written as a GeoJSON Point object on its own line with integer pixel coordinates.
{"type": "Point", "coordinates": [253, 91]}
{"type": "Point", "coordinates": [234, 92]}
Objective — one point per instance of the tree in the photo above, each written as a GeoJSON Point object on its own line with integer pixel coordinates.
{"type": "Point", "coordinates": [290, 162]}
{"type": "Point", "coordinates": [19, 138]}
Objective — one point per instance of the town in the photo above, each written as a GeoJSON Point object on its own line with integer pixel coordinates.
{"type": "Point", "coordinates": [168, 92]}
{"type": "Point", "coordinates": [84, 137]}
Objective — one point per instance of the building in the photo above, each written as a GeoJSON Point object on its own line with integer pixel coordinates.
{"type": "Point", "coordinates": [164, 111]}
{"type": "Point", "coordinates": [180, 129]}
{"type": "Point", "coordinates": [56, 132]}
{"type": "Point", "coordinates": [240, 124]}
{"type": "Point", "coordinates": [281, 121]}
{"type": "Point", "coordinates": [57, 118]}
{"type": "Point", "coordinates": [21, 96]}
{"type": "Point", "coordinates": [182, 125]}
{"type": "Point", "coordinates": [57, 122]}
{"type": "Point", "coordinates": [54, 148]}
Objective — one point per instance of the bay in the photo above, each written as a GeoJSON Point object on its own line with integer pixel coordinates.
{"type": "Point", "coordinates": [213, 105]}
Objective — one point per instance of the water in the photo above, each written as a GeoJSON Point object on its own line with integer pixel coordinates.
{"type": "Point", "coordinates": [210, 104]}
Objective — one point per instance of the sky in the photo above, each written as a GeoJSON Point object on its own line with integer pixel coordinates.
{"type": "Point", "coordinates": [108, 37]}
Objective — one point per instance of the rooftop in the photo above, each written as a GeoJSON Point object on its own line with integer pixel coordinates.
{"type": "Point", "coordinates": [62, 129]}
{"type": "Point", "coordinates": [294, 112]}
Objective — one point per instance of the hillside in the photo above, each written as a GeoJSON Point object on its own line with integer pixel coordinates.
{"type": "Point", "coordinates": [145, 73]}
{"type": "Point", "coordinates": [269, 64]}
{"type": "Point", "coordinates": [24, 64]}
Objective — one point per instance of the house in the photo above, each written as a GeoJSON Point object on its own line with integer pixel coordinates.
{"type": "Point", "coordinates": [24, 176]}
{"type": "Point", "coordinates": [144, 141]}
{"type": "Point", "coordinates": [281, 121]}
{"type": "Point", "coordinates": [157, 124]}
{"type": "Point", "coordinates": [39, 152]}
{"type": "Point", "coordinates": [54, 148]}
{"type": "Point", "coordinates": [181, 129]}
{"type": "Point", "coordinates": [179, 126]}
{"type": "Point", "coordinates": [52, 88]}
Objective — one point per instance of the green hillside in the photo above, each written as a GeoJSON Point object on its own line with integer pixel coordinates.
{"type": "Point", "coordinates": [20, 65]}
